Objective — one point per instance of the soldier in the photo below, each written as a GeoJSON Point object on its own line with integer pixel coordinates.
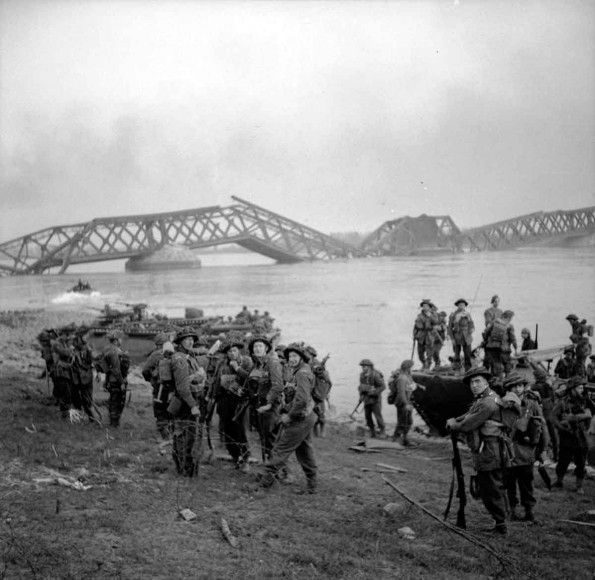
{"type": "Point", "coordinates": [63, 355]}
{"type": "Point", "coordinates": [82, 373]}
{"type": "Point", "coordinates": [485, 436]}
{"type": "Point", "coordinates": [45, 338]}
{"type": "Point", "coordinates": [546, 393]}
{"type": "Point", "coordinates": [572, 419]}
{"type": "Point", "coordinates": [150, 372]}
{"type": "Point", "coordinates": [591, 369]}
{"type": "Point", "coordinates": [189, 382]}
{"type": "Point", "coordinates": [265, 386]}
{"type": "Point", "coordinates": [230, 391]}
{"type": "Point", "coordinates": [297, 424]}
{"type": "Point", "coordinates": [401, 387]}
{"type": "Point", "coordinates": [498, 337]}
{"type": "Point", "coordinates": [493, 312]}
{"type": "Point", "coordinates": [460, 331]}
{"type": "Point", "coordinates": [529, 438]}
{"type": "Point", "coordinates": [322, 387]}
{"type": "Point", "coordinates": [566, 366]}
{"type": "Point", "coordinates": [371, 385]}
{"type": "Point", "coordinates": [114, 379]}
{"type": "Point", "coordinates": [440, 333]}
{"type": "Point", "coordinates": [423, 333]}
{"type": "Point", "coordinates": [528, 343]}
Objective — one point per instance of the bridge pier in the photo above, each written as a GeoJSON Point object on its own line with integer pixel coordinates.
{"type": "Point", "coordinates": [163, 259]}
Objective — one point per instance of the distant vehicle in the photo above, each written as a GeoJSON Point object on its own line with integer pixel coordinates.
{"type": "Point", "coordinates": [81, 287]}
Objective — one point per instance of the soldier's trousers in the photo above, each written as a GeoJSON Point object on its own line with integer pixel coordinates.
{"type": "Point", "coordinates": [267, 426]}
{"type": "Point", "coordinates": [62, 393]}
{"type": "Point", "coordinates": [83, 398]}
{"type": "Point", "coordinates": [492, 494]}
{"type": "Point", "coordinates": [162, 417]}
{"type": "Point", "coordinates": [372, 412]}
{"type": "Point", "coordinates": [521, 476]}
{"type": "Point", "coordinates": [466, 348]}
{"type": "Point", "coordinates": [117, 400]}
{"type": "Point", "coordinates": [295, 436]}
{"type": "Point", "coordinates": [186, 445]}
{"type": "Point", "coordinates": [568, 454]}
{"type": "Point", "coordinates": [233, 432]}
{"type": "Point", "coordinates": [404, 421]}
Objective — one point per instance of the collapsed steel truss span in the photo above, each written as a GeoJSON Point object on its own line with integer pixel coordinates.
{"type": "Point", "coordinates": [530, 229]}
{"type": "Point", "coordinates": [243, 223]}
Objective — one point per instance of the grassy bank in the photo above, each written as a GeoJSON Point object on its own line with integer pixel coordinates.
{"type": "Point", "coordinates": [124, 521]}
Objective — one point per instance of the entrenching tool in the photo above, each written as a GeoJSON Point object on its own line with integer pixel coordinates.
{"type": "Point", "coordinates": [351, 415]}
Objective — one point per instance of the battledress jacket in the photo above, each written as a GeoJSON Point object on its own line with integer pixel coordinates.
{"type": "Point", "coordinates": [113, 373]}
{"type": "Point", "coordinates": [461, 327]}
{"type": "Point", "coordinates": [150, 370]}
{"type": "Point", "coordinates": [483, 418]}
{"type": "Point", "coordinates": [189, 376]}
{"type": "Point", "coordinates": [572, 430]}
{"type": "Point", "coordinates": [302, 404]}
{"type": "Point", "coordinates": [404, 388]}
{"type": "Point", "coordinates": [230, 381]}
{"type": "Point", "coordinates": [267, 374]}
{"type": "Point", "coordinates": [370, 387]}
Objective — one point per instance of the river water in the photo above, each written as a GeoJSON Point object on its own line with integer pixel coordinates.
{"type": "Point", "coordinates": [352, 309]}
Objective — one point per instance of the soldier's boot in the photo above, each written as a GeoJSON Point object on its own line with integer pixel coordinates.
{"type": "Point", "coordinates": [579, 486]}
{"type": "Point", "coordinates": [382, 433]}
{"type": "Point", "coordinates": [312, 484]}
{"type": "Point", "coordinates": [514, 515]}
{"type": "Point", "coordinates": [372, 432]}
{"type": "Point", "coordinates": [395, 436]}
{"type": "Point", "coordinates": [558, 484]}
{"type": "Point", "coordinates": [529, 516]}
{"type": "Point", "coordinates": [267, 480]}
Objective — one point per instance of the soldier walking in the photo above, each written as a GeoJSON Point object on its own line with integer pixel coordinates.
{"type": "Point", "coordinates": [485, 435]}
{"type": "Point", "coordinates": [401, 387]}
{"type": "Point", "coordinates": [423, 333]}
{"type": "Point", "coordinates": [371, 385]}
{"type": "Point", "coordinates": [297, 424]}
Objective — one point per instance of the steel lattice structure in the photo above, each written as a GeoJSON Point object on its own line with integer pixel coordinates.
{"type": "Point", "coordinates": [243, 223]}
{"type": "Point", "coordinates": [407, 235]}
{"type": "Point", "coordinates": [530, 229]}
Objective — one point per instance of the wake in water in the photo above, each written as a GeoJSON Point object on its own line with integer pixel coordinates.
{"type": "Point", "coordinates": [77, 298]}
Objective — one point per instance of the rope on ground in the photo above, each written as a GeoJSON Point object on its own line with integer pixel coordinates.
{"type": "Point", "coordinates": [504, 561]}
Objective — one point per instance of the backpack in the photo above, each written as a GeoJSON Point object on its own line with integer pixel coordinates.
{"type": "Point", "coordinates": [498, 332]}
{"type": "Point", "coordinates": [125, 364]}
{"type": "Point", "coordinates": [322, 385]}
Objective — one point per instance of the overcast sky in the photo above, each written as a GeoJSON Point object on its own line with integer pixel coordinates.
{"type": "Point", "coordinates": [341, 115]}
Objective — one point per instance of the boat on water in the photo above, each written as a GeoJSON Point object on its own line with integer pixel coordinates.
{"type": "Point", "coordinates": [81, 288]}
{"type": "Point", "coordinates": [442, 394]}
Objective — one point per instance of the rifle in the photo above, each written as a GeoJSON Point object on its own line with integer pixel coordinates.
{"type": "Point", "coordinates": [211, 395]}
{"type": "Point", "coordinates": [412, 349]}
{"type": "Point", "coordinates": [458, 470]}
{"type": "Point", "coordinates": [351, 415]}
{"type": "Point", "coordinates": [536, 335]}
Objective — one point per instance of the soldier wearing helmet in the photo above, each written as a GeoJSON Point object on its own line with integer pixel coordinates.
{"type": "Point", "coordinates": [423, 332]}
{"type": "Point", "coordinates": [189, 380]}
{"type": "Point", "coordinates": [229, 384]}
{"type": "Point", "coordinates": [161, 388]}
{"type": "Point", "coordinates": [371, 385]}
{"type": "Point", "coordinates": [114, 379]}
{"type": "Point", "coordinates": [62, 353]}
{"type": "Point", "coordinates": [460, 331]}
{"type": "Point", "coordinates": [401, 388]}
{"type": "Point", "coordinates": [297, 423]}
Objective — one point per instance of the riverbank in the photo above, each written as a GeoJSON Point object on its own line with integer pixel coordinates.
{"type": "Point", "coordinates": [79, 500]}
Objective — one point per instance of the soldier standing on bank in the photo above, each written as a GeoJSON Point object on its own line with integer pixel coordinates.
{"type": "Point", "coordinates": [265, 385]}
{"type": "Point", "coordinates": [189, 382]}
{"type": "Point", "coordinates": [460, 331]}
{"type": "Point", "coordinates": [230, 388]}
{"type": "Point", "coordinates": [401, 388]}
{"type": "Point", "coordinates": [297, 424]}
{"type": "Point", "coordinates": [63, 354]}
{"type": "Point", "coordinates": [485, 431]}
{"type": "Point", "coordinates": [150, 372]}
{"type": "Point", "coordinates": [572, 419]}
{"type": "Point", "coordinates": [82, 373]}
{"type": "Point", "coordinates": [371, 385]}
{"type": "Point", "coordinates": [114, 380]}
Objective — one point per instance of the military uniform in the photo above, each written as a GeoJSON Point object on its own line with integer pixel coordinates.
{"type": "Point", "coordinates": [62, 353]}
{"type": "Point", "coordinates": [82, 376]}
{"type": "Point", "coordinates": [572, 419]}
{"type": "Point", "coordinates": [371, 385]}
{"type": "Point", "coordinates": [498, 337]}
{"type": "Point", "coordinates": [423, 333]}
{"type": "Point", "coordinates": [460, 331]}
{"type": "Point", "coordinates": [296, 431]}
{"type": "Point", "coordinates": [491, 455]}
{"type": "Point", "coordinates": [231, 393]}
{"type": "Point", "coordinates": [115, 383]}
{"type": "Point", "coordinates": [161, 388]}
{"type": "Point", "coordinates": [189, 382]}
{"type": "Point", "coordinates": [402, 387]}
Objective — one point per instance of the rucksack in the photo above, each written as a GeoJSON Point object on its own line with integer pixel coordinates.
{"type": "Point", "coordinates": [125, 364]}
{"type": "Point", "coordinates": [498, 332]}
{"type": "Point", "coordinates": [322, 385]}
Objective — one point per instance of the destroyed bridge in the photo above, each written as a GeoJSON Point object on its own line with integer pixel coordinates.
{"type": "Point", "coordinates": [277, 237]}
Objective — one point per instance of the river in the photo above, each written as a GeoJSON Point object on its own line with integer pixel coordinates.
{"type": "Point", "coordinates": [352, 309]}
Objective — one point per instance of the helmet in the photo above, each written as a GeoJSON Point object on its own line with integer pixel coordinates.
{"type": "Point", "coordinates": [407, 364]}
{"type": "Point", "coordinates": [231, 343]}
{"type": "Point", "coordinates": [311, 351]}
{"type": "Point", "coordinates": [262, 339]}
{"type": "Point", "coordinates": [160, 339]}
{"type": "Point", "coordinates": [572, 317]}
{"type": "Point", "coordinates": [366, 362]}
{"type": "Point", "coordinates": [463, 301]}
{"type": "Point", "coordinates": [295, 347]}
{"type": "Point", "coordinates": [575, 382]}
{"type": "Point", "coordinates": [185, 333]}
{"type": "Point", "coordinates": [494, 298]}
{"type": "Point", "coordinates": [425, 301]}
{"type": "Point", "coordinates": [508, 314]}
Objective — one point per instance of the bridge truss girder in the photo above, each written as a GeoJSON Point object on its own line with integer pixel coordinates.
{"type": "Point", "coordinates": [407, 236]}
{"type": "Point", "coordinates": [529, 229]}
{"type": "Point", "coordinates": [101, 239]}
